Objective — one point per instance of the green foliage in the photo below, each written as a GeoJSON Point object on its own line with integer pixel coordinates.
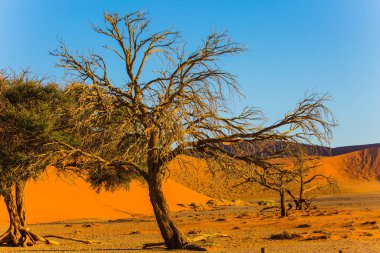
{"type": "Point", "coordinates": [112, 178]}
{"type": "Point", "coordinates": [31, 116]}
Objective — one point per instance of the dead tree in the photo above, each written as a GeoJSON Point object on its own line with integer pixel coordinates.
{"type": "Point", "coordinates": [292, 171]}
{"type": "Point", "coordinates": [135, 124]}
{"type": "Point", "coordinates": [273, 176]}
{"type": "Point", "coordinates": [307, 179]}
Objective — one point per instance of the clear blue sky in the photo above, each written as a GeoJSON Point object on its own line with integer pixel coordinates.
{"type": "Point", "coordinates": [294, 46]}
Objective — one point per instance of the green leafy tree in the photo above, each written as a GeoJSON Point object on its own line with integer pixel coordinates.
{"type": "Point", "coordinates": [31, 116]}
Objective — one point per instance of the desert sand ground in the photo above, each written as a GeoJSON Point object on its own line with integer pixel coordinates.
{"type": "Point", "coordinates": [347, 222]}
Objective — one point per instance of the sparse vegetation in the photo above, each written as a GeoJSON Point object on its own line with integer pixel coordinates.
{"type": "Point", "coordinates": [294, 171]}
{"type": "Point", "coordinates": [319, 235]}
{"type": "Point", "coordinates": [194, 232]}
{"type": "Point", "coordinates": [306, 180]}
{"type": "Point", "coordinates": [305, 225]}
{"type": "Point", "coordinates": [285, 235]}
{"type": "Point", "coordinates": [266, 203]}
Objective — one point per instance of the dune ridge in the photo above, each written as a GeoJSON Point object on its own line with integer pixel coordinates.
{"type": "Point", "coordinates": [356, 171]}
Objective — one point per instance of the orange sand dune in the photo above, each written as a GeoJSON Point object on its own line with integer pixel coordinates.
{"type": "Point", "coordinates": [357, 171]}
{"type": "Point", "coordinates": [54, 198]}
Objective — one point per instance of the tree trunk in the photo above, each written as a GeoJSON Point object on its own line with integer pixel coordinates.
{"type": "Point", "coordinates": [300, 199]}
{"type": "Point", "coordinates": [173, 237]}
{"type": "Point", "coordinates": [300, 205]}
{"type": "Point", "coordinates": [18, 233]}
{"type": "Point", "coordinates": [282, 204]}
{"type": "Point", "coordinates": [297, 203]}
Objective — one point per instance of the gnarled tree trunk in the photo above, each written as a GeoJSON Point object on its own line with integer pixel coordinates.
{"type": "Point", "coordinates": [173, 237]}
{"type": "Point", "coordinates": [18, 234]}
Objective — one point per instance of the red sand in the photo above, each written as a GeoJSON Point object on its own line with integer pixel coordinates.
{"type": "Point", "coordinates": [54, 198]}
{"type": "Point", "coordinates": [357, 171]}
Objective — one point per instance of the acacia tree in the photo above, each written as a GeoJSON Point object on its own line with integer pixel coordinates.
{"type": "Point", "coordinates": [30, 117]}
{"type": "Point", "coordinates": [287, 169]}
{"type": "Point", "coordinates": [274, 174]}
{"type": "Point", "coordinates": [307, 180]}
{"type": "Point", "coordinates": [135, 125]}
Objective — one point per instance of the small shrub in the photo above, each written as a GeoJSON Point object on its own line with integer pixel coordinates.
{"type": "Point", "coordinates": [266, 203]}
{"type": "Point", "coordinates": [284, 236]}
{"type": "Point", "coordinates": [369, 223]}
{"type": "Point", "coordinates": [194, 231]}
{"type": "Point", "coordinates": [196, 206]}
{"type": "Point", "coordinates": [319, 235]}
{"type": "Point", "coordinates": [243, 215]}
{"type": "Point", "coordinates": [211, 203]}
{"type": "Point", "coordinates": [304, 225]}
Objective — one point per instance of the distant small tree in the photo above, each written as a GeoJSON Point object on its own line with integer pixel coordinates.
{"type": "Point", "coordinates": [136, 124]}
{"type": "Point", "coordinates": [31, 115]}
{"type": "Point", "coordinates": [274, 176]}
{"type": "Point", "coordinates": [288, 169]}
{"type": "Point", "coordinates": [307, 180]}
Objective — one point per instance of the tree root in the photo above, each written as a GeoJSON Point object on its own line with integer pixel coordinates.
{"type": "Point", "coordinates": [41, 239]}
{"type": "Point", "coordinates": [192, 242]}
{"type": "Point", "coordinates": [194, 247]}
{"type": "Point", "coordinates": [25, 238]}
{"type": "Point", "coordinates": [73, 239]}
{"type": "Point", "coordinates": [28, 238]}
{"type": "Point", "coordinates": [153, 244]}
{"type": "Point", "coordinates": [4, 236]}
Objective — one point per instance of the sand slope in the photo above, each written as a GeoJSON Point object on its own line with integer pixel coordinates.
{"type": "Point", "coordinates": [54, 198]}
{"type": "Point", "coordinates": [357, 171]}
